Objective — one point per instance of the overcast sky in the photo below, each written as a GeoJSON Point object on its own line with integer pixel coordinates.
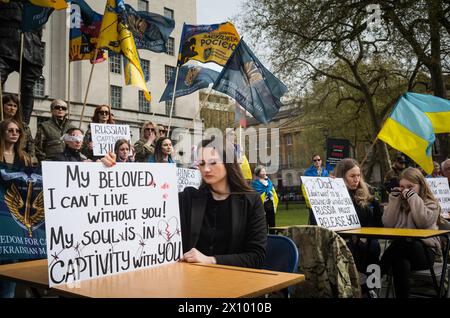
{"type": "Point", "coordinates": [215, 11]}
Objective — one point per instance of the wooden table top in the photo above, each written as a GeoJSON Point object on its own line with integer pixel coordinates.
{"type": "Point", "coordinates": [177, 280]}
{"type": "Point", "coordinates": [385, 232]}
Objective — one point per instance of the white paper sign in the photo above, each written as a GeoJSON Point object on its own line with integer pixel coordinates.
{"type": "Point", "coordinates": [331, 203]}
{"type": "Point", "coordinates": [441, 191]}
{"type": "Point", "coordinates": [188, 178]}
{"type": "Point", "coordinates": [104, 137]}
{"type": "Point", "coordinates": [102, 221]}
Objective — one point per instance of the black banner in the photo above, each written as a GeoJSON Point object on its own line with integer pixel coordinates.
{"type": "Point", "coordinates": [337, 149]}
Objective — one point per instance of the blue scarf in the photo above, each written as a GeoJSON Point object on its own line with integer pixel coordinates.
{"type": "Point", "coordinates": [261, 188]}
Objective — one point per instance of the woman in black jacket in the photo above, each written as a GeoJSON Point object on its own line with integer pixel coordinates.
{"type": "Point", "coordinates": [222, 222]}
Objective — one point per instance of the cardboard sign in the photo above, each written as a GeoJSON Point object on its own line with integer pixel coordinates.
{"type": "Point", "coordinates": [104, 137]}
{"type": "Point", "coordinates": [331, 203]}
{"type": "Point", "coordinates": [441, 191]}
{"type": "Point", "coordinates": [102, 221]}
{"type": "Point", "coordinates": [188, 178]}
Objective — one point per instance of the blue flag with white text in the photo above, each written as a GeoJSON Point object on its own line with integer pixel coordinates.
{"type": "Point", "coordinates": [151, 31]}
{"type": "Point", "coordinates": [190, 79]}
{"type": "Point", "coordinates": [34, 17]}
{"type": "Point", "coordinates": [246, 80]}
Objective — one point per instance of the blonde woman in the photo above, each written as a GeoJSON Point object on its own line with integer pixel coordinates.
{"type": "Point", "coordinates": [412, 206]}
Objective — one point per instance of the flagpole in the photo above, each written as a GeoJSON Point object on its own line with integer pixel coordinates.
{"type": "Point", "coordinates": [369, 150]}
{"type": "Point", "coordinates": [22, 36]}
{"type": "Point", "coordinates": [1, 98]}
{"type": "Point", "coordinates": [85, 97]}
{"type": "Point", "coordinates": [68, 92]}
{"type": "Point", "coordinates": [173, 100]}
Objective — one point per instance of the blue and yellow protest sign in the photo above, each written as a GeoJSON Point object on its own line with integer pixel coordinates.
{"type": "Point", "coordinates": [207, 43]}
{"type": "Point", "coordinates": [22, 226]}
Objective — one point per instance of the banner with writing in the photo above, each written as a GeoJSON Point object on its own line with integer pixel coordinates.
{"type": "Point", "coordinates": [104, 137]}
{"type": "Point", "coordinates": [441, 191]}
{"type": "Point", "coordinates": [22, 227]}
{"type": "Point", "coordinates": [331, 203]}
{"type": "Point", "coordinates": [103, 221]}
{"type": "Point", "coordinates": [188, 178]}
{"type": "Point", "coordinates": [337, 149]}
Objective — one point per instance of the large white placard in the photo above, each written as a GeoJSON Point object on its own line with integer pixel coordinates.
{"type": "Point", "coordinates": [104, 137]}
{"type": "Point", "coordinates": [188, 178]}
{"type": "Point", "coordinates": [441, 191]}
{"type": "Point", "coordinates": [102, 221]}
{"type": "Point", "coordinates": [331, 203]}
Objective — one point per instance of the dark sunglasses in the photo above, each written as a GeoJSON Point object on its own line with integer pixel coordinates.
{"type": "Point", "coordinates": [317, 160]}
{"type": "Point", "coordinates": [149, 129]}
{"type": "Point", "coordinates": [14, 130]}
{"type": "Point", "coordinates": [59, 107]}
{"type": "Point", "coordinates": [163, 131]}
{"type": "Point", "coordinates": [103, 112]}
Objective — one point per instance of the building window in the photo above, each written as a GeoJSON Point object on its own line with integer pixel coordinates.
{"type": "Point", "coordinates": [146, 69]}
{"type": "Point", "coordinates": [289, 180]}
{"type": "Point", "coordinates": [168, 13]}
{"type": "Point", "coordinates": [289, 160]}
{"type": "Point", "coordinates": [144, 104]}
{"type": "Point", "coordinates": [168, 104]}
{"type": "Point", "coordinates": [142, 5]}
{"type": "Point", "coordinates": [116, 96]}
{"type": "Point", "coordinates": [289, 139]}
{"type": "Point", "coordinates": [43, 51]}
{"type": "Point", "coordinates": [39, 87]}
{"type": "Point", "coordinates": [169, 71]}
{"type": "Point", "coordinates": [170, 46]}
{"type": "Point", "coordinates": [115, 64]}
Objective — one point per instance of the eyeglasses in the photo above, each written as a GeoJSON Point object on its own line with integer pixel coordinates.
{"type": "Point", "coordinates": [59, 107]}
{"type": "Point", "coordinates": [163, 131]}
{"type": "Point", "coordinates": [103, 112]}
{"type": "Point", "coordinates": [14, 130]}
{"type": "Point", "coordinates": [317, 160]}
{"type": "Point", "coordinates": [149, 129]}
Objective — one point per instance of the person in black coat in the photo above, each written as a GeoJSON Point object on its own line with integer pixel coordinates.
{"type": "Point", "coordinates": [73, 139]}
{"type": "Point", "coordinates": [223, 222]}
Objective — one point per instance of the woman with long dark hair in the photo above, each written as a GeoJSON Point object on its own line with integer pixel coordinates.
{"type": "Point", "coordinates": [11, 110]}
{"type": "Point", "coordinates": [223, 221]}
{"type": "Point", "coordinates": [11, 144]}
{"type": "Point", "coordinates": [163, 151]}
{"type": "Point", "coordinates": [102, 115]}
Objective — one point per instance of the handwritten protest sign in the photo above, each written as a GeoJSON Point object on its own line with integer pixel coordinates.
{"type": "Point", "coordinates": [102, 221]}
{"type": "Point", "coordinates": [441, 191]}
{"type": "Point", "coordinates": [188, 178]}
{"type": "Point", "coordinates": [331, 203]}
{"type": "Point", "coordinates": [104, 137]}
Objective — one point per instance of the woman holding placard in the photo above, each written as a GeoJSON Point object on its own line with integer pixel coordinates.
{"type": "Point", "coordinates": [163, 151]}
{"type": "Point", "coordinates": [412, 205]}
{"type": "Point", "coordinates": [222, 222]}
{"type": "Point", "coordinates": [365, 252]}
{"type": "Point", "coordinates": [102, 115]}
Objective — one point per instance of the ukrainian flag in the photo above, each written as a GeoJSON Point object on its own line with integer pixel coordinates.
{"type": "Point", "coordinates": [435, 108]}
{"type": "Point", "coordinates": [409, 130]}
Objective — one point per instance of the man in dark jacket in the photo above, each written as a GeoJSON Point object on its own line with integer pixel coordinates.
{"type": "Point", "coordinates": [49, 133]}
{"type": "Point", "coordinates": [33, 57]}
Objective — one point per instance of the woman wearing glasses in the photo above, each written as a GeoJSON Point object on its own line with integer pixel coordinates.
{"type": "Point", "coordinates": [316, 170]}
{"type": "Point", "coordinates": [145, 147]}
{"type": "Point", "coordinates": [102, 115]}
{"type": "Point", "coordinates": [12, 145]}
{"type": "Point", "coordinates": [11, 110]}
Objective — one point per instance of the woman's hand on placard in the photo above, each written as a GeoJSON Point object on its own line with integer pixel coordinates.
{"type": "Point", "coordinates": [109, 159]}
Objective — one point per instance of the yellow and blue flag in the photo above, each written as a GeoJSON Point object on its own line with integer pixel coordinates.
{"type": "Point", "coordinates": [85, 26]}
{"type": "Point", "coordinates": [435, 108]}
{"type": "Point", "coordinates": [55, 4]}
{"type": "Point", "coordinates": [246, 80]}
{"type": "Point", "coordinates": [190, 79]}
{"type": "Point", "coordinates": [151, 31]}
{"type": "Point", "coordinates": [409, 130]}
{"type": "Point", "coordinates": [207, 43]}
{"type": "Point", "coordinates": [116, 36]}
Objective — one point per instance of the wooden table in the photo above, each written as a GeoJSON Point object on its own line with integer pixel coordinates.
{"type": "Point", "coordinates": [396, 233]}
{"type": "Point", "coordinates": [178, 280]}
